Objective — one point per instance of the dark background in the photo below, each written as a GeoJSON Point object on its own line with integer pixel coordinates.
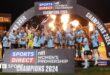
{"type": "Point", "coordinates": [17, 7]}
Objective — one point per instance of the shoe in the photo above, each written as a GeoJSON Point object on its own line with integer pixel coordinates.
{"type": "Point", "coordinates": [96, 63]}
{"type": "Point", "coordinates": [76, 55]}
{"type": "Point", "coordinates": [93, 58]}
{"type": "Point", "coordinates": [85, 67]}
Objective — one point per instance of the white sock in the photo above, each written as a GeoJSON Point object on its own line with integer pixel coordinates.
{"type": "Point", "coordinates": [96, 60]}
{"type": "Point", "coordinates": [93, 55]}
{"type": "Point", "coordinates": [86, 62]}
{"type": "Point", "coordinates": [81, 53]}
{"type": "Point", "coordinates": [99, 56]}
{"type": "Point", "coordinates": [76, 53]}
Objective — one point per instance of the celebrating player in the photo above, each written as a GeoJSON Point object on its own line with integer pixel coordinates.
{"type": "Point", "coordinates": [22, 38]}
{"type": "Point", "coordinates": [13, 39]}
{"type": "Point", "coordinates": [95, 44]}
{"type": "Point", "coordinates": [87, 51]}
{"type": "Point", "coordinates": [79, 40]}
{"type": "Point", "coordinates": [36, 42]}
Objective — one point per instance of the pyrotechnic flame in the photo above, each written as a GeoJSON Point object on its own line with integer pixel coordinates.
{"type": "Point", "coordinates": [53, 17]}
{"type": "Point", "coordinates": [64, 20]}
{"type": "Point", "coordinates": [75, 23]}
{"type": "Point", "coordinates": [74, 29]}
{"type": "Point", "coordinates": [91, 27]}
{"type": "Point", "coordinates": [47, 15]}
{"type": "Point", "coordinates": [51, 24]}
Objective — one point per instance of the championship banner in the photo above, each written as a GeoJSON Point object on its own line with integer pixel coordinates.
{"type": "Point", "coordinates": [54, 7]}
{"type": "Point", "coordinates": [38, 61]}
{"type": "Point", "coordinates": [65, 8]}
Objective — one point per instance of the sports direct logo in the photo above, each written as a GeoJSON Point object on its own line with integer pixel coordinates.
{"type": "Point", "coordinates": [20, 57]}
{"type": "Point", "coordinates": [46, 6]}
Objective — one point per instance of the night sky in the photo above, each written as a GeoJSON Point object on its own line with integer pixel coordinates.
{"type": "Point", "coordinates": [16, 7]}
